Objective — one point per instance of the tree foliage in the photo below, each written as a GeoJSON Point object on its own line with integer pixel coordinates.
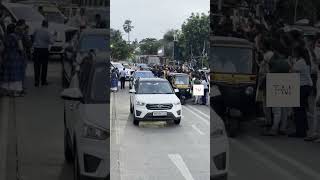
{"type": "Point", "coordinates": [120, 50]}
{"type": "Point", "coordinates": [149, 46]}
{"type": "Point", "coordinates": [127, 27]}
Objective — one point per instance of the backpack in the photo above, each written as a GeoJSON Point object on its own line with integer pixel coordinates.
{"type": "Point", "coordinates": [279, 64]}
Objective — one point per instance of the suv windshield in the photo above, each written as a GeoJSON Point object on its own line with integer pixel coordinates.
{"type": "Point", "coordinates": [145, 74]}
{"type": "Point", "coordinates": [182, 80]}
{"type": "Point", "coordinates": [154, 87]}
{"type": "Point", "coordinates": [96, 42]}
{"type": "Point", "coordinates": [231, 60]}
{"type": "Point", "coordinates": [99, 90]}
{"type": "Point", "coordinates": [27, 13]}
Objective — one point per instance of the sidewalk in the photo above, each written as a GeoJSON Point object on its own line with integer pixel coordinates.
{"type": "Point", "coordinates": [8, 170]}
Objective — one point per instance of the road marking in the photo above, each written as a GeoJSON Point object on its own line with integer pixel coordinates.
{"type": "Point", "coordinates": [197, 129]}
{"type": "Point", "coordinates": [305, 169]}
{"type": "Point", "coordinates": [200, 112]}
{"type": "Point", "coordinates": [178, 161]}
{"type": "Point", "coordinates": [203, 119]}
{"type": "Point", "coordinates": [268, 163]}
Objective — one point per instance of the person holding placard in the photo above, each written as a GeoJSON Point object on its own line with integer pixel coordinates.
{"type": "Point", "coordinates": [303, 67]}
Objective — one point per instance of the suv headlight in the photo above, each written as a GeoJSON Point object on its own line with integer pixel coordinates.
{"type": "Point", "coordinates": [216, 132]}
{"type": "Point", "coordinates": [95, 133]}
{"type": "Point", "coordinates": [249, 91]}
{"type": "Point", "coordinates": [177, 103]}
{"type": "Point", "coordinates": [139, 103]}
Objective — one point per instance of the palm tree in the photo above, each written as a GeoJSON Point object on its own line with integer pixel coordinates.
{"type": "Point", "coordinates": [127, 27]}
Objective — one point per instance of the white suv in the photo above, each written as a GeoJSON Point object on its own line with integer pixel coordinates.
{"type": "Point", "coordinates": [219, 143]}
{"type": "Point", "coordinates": [86, 125]}
{"type": "Point", "coordinates": [154, 99]}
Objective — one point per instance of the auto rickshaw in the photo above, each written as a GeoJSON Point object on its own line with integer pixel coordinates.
{"type": "Point", "coordinates": [181, 83]}
{"type": "Point", "coordinates": [232, 61]}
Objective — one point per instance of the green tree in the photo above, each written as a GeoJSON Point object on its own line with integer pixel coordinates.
{"type": "Point", "coordinates": [127, 27]}
{"type": "Point", "coordinates": [120, 49]}
{"type": "Point", "coordinates": [149, 46]}
{"type": "Point", "coordinates": [194, 38]}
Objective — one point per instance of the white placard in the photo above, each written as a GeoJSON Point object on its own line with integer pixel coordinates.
{"type": "Point", "coordinates": [283, 90]}
{"type": "Point", "coordinates": [198, 90]}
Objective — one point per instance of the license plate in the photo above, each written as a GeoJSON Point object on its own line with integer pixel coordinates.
{"type": "Point", "coordinates": [160, 113]}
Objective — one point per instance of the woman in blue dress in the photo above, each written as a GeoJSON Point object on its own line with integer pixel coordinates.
{"type": "Point", "coordinates": [13, 65]}
{"type": "Point", "coordinates": [114, 80]}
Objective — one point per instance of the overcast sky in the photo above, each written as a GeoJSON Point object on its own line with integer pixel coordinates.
{"type": "Point", "coordinates": [152, 18]}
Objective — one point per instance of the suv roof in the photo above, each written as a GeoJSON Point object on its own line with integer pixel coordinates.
{"type": "Point", "coordinates": [153, 79]}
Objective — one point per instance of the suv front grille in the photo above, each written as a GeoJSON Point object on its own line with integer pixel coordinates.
{"type": "Point", "coordinates": [159, 106]}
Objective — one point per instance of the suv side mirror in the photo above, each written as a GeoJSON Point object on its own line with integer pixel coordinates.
{"type": "Point", "coordinates": [72, 94]}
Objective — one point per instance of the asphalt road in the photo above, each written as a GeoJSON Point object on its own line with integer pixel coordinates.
{"type": "Point", "coordinates": [157, 150]}
{"type": "Point", "coordinates": [253, 156]}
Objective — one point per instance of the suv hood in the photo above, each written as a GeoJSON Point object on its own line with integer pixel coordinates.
{"type": "Point", "coordinates": [96, 114]}
{"type": "Point", "coordinates": [157, 98]}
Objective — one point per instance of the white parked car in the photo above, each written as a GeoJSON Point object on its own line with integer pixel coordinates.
{"type": "Point", "coordinates": [154, 99]}
{"type": "Point", "coordinates": [219, 144]}
{"type": "Point", "coordinates": [61, 32]}
{"type": "Point", "coordinates": [86, 125]}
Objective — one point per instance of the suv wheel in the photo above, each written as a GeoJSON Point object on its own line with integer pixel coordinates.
{"type": "Point", "coordinates": [177, 121]}
{"type": "Point", "coordinates": [67, 150]}
{"type": "Point", "coordinates": [76, 167]}
{"type": "Point", "coordinates": [131, 108]}
{"type": "Point", "coordinates": [135, 121]}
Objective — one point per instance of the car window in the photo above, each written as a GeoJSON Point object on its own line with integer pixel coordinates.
{"type": "Point", "coordinates": [154, 87]}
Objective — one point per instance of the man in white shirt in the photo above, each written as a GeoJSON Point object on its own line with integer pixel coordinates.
{"type": "Point", "coordinates": [123, 78]}
{"type": "Point", "coordinates": [206, 88]}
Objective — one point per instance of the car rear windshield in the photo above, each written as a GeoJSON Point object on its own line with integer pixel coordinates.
{"type": "Point", "coordinates": [96, 42]}
{"type": "Point", "coordinates": [27, 13]}
{"type": "Point", "coordinates": [154, 87]}
{"type": "Point", "coordinates": [146, 74]}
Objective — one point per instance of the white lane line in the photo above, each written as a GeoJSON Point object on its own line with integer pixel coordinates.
{"type": "Point", "coordinates": [268, 163]}
{"type": "Point", "coordinates": [178, 161]}
{"type": "Point", "coordinates": [197, 129]}
{"type": "Point", "coordinates": [305, 169]}
{"type": "Point", "coordinates": [200, 112]}
{"type": "Point", "coordinates": [203, 119]}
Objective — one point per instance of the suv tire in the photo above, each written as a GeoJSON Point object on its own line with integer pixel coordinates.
{"type": "Point", "coordinates": [67, 150]}
{"type": "Point", "coordinates": [177, 122]}
{"type": "Point", "coordinates": [135, 121]}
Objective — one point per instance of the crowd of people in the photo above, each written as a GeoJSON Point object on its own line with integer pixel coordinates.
{"type": "Point", "coordinates": [282, 51]}
{"type": "Point", "coordinates": [162, 71]}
